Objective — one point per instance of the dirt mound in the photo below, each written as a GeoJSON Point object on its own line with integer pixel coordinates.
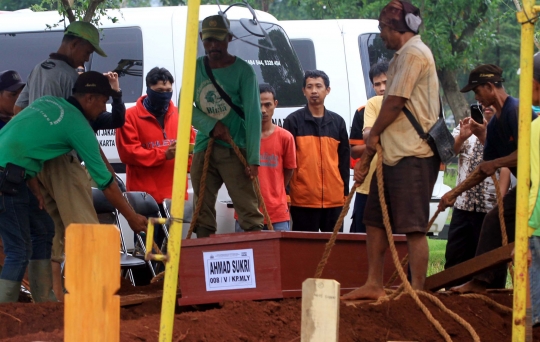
{"type": "Point", "coordinates": [274, 321]}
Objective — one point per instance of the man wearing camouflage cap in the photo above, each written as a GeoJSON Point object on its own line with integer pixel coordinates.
{"type": "Point", "coordinates": [237, 118]}
{"type": "Point", "coordinates": [65, 184]}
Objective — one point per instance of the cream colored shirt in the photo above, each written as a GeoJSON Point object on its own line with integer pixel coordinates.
{"type": "Point", "coordinates": [411, 75]}
{"type": "Point", "coordinates": [373, 107]}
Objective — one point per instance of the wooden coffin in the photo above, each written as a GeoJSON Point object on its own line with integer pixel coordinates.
{"type": "Point", "coordinates": [281, 260]}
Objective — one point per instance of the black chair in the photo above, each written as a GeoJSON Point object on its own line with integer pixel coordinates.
{"type": "Point", "coordinates": [144, 204]}
{"type": "Point", "coordinates": [107, 214]}
{"type": "Point", "coordinates": [188, 214]}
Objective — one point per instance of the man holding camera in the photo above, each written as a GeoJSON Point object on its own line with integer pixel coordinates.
{"type": "Point", "coordinates": [472, 205]}
{"type": "Point", "coordinates": [499, 138]}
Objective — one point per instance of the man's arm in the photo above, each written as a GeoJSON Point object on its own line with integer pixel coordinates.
{"type": "Point", "coordinates": [132, 152]}
{"type": "Point", "coordinates": [356, 139]}
{"type": "Point", "coordinates": [251, 104]}
{"type": "Point", "coordinates": [115, 119]}
{"type": "Point", "coordinates": [136, 222]}
{"type": "Point", "coordinates": [487, 169]}
{"type": "Point", "coordinates": [504, 180]}
{"type": "Point", "coordinates": [390, 110]}
{"type": "Point", "coordinates": [107, 164]}
{"type": "Point", "coordinates": [461, 134]}
{"type": "Point", "coordinates": [287, 175]}
{"type": "Point", "coordinates": [344, 154]}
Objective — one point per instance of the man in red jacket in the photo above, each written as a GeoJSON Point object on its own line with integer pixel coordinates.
{"type": "Point", "coordinates": [147, 141]}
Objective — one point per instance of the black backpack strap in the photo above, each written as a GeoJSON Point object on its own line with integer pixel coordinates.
{"type": "Point", "coordinates": [220, 90]}
{"type": "Point", "coordinates": [416, 124]}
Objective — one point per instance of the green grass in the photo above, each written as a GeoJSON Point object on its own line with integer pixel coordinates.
{"type": "Point", "coordinates": [437, 248]}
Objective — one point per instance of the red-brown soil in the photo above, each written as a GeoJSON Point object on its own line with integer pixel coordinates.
{"type": "Point", "coordinates": [279, 320]}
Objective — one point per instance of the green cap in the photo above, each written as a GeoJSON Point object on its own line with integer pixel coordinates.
{"type": "Point", "coordinates": [87, 32]}
{"type": "Point", "coordinates": [215, 27]}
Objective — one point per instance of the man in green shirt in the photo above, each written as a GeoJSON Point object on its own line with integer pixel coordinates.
{"type": "Point", "coordinates": [48, 128]}
{"type": "Point", "coordinates": [215, 117]}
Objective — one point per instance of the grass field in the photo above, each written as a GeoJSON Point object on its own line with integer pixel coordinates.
{"type": "Point", "coordinates": [436, 256]}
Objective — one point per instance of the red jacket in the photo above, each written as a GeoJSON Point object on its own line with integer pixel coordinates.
{"type": "Point", "coordinates": [141, 144]}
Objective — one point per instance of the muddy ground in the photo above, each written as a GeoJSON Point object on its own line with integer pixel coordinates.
{"type": "Point", "coordinates": [272, 320]}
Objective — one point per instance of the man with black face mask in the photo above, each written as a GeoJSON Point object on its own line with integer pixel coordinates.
{"type": "Point", "coordinates": [147, 141]}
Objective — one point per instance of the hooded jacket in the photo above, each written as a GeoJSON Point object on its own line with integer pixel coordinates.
{"type": "Point", "coordinates": [142, 144]}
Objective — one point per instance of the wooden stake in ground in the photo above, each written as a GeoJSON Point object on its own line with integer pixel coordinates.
{"type": "Point", "coordinates": [320, 310]}
{"type": "Point", "coordinates": [92, 308]}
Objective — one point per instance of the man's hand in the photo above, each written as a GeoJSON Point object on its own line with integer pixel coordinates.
{"type": "Point", "coordinates": [465, 128]}
{"type": "Point", "coordinates": [171, 151]}
{"type": "Point", "coordinates": [361, 169]}
{"type": "Point", "coordinates": [371, 146]}
{"type": "Point", "coordinates": [479, 130]}
{"type": "Point", "coordinates": [33, 184]}
{"type": "Point", "coordinates": [138, 223]}
{"type": "Point", "coordinates": [221, 132]}
{"type": "Point", "coordinates": [113, 80]}
{"type": "Point", "coordinates": [488, 168]}
{"type": "Point", "coordinates": [252, 171]}
{"type": "Point", "coordinates": [446, 201]}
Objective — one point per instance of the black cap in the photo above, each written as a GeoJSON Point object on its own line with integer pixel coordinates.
{"type": "Point", "coordinates": [10, 80]}
{"type": "Point", "coordinates": [487, 73]}
{"type": "Point", "coordinates": [93, 82]}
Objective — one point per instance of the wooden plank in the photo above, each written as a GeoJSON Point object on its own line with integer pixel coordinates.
{"type": "Point", "coordinates": [92, 310]}
{"type": "Point", "coordinates": [470, 267]}
{"type": "Point", "coordinates": [139, 298]}
{"type": "Point", "coordinates": [320, 310]}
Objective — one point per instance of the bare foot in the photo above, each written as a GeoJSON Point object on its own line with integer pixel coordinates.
{"type": "Point", "coordinates": [365, 292]}
{"type": "Point", "coordinates": [470, 286]}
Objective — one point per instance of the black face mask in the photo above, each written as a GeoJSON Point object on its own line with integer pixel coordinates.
{"type": "Point", "coordinates": [157, 103]}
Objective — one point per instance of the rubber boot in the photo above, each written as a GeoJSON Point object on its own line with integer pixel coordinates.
{"type": "Point", "coordinates": [203, 232]}
{"type": "Point", "coordinates": [40, 276]}
{"type": "Point", "coordinates": [9, 291]}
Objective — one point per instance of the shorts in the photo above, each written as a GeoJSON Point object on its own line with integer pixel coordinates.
{"type": "Point", "coordinates": [408, 187]}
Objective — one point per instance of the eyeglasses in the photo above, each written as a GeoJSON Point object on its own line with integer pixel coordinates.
{"type": "Point", "coordinates": [80, 69]}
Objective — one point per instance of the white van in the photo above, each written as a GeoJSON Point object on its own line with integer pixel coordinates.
{"type": "Point", "coordinates": [345, 49]}
{"type": "Point", "coordinates": [147, 37]}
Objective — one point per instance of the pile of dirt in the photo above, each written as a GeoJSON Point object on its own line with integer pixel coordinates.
{"type": "Point", "coordinates": [275, 320]}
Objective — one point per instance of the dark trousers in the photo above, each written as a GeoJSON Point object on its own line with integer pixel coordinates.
{"type": "Point", "coordinates": [463, 236]}
{"type": "Point", "coordinates": [491, 238]}
{"type": "Point", "coordinates": [357, 226]}
{"type": "Point", "coordinates": [313, 219]}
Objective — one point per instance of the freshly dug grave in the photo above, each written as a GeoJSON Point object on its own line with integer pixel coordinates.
{"type": "Point", "coordinates": [280, 320]}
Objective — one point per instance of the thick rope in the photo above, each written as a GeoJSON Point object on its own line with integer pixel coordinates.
{"type": "Point", "coordinates": [337, 226]}
{"type": "Point", "coordinates": [451, 313]}
{"type": "Point", "coordinates": [500, 207]}
{"type": "Point", "coordinates": [202, 187]}
{"type": "Point", "coordinates": [255, 184]}
{"type": "Point", "coordinates": [490, 301]}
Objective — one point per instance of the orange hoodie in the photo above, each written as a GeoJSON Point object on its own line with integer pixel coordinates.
{"type": "Point", "coordinates": [141, 144]}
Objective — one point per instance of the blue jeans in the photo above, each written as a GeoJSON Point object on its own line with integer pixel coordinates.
{"type": "Point", "coordinates": [281, 226]}
{"type": "Point", "coordinates": [26, 231]}
{"type": "Point", "coordinates": [534, 276]}
{"type": "Point", "coordinates": [41, 230]}
{"type": "Point", "coordinates": [15, 233]}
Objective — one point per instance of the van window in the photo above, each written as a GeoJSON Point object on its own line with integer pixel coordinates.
{"type": "Point", "coordinates": [122, 43]}
{"type": "Point", "coordinates": [372, 50]}
{"type": "Point", "coordinates": [23, 51]}
{"type": "Point", "coordinates": [281, 68]}
{"type": "Point", "coordinates": [305, 50]}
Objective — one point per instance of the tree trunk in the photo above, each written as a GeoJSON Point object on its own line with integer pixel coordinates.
{"type": "Point", "coordinates": [454, 98]}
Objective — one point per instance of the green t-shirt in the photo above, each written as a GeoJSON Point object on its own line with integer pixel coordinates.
{"type": "Point", "coordinates": [240, 83]}
{"type": "Point", "coordinates": [48, 128]}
